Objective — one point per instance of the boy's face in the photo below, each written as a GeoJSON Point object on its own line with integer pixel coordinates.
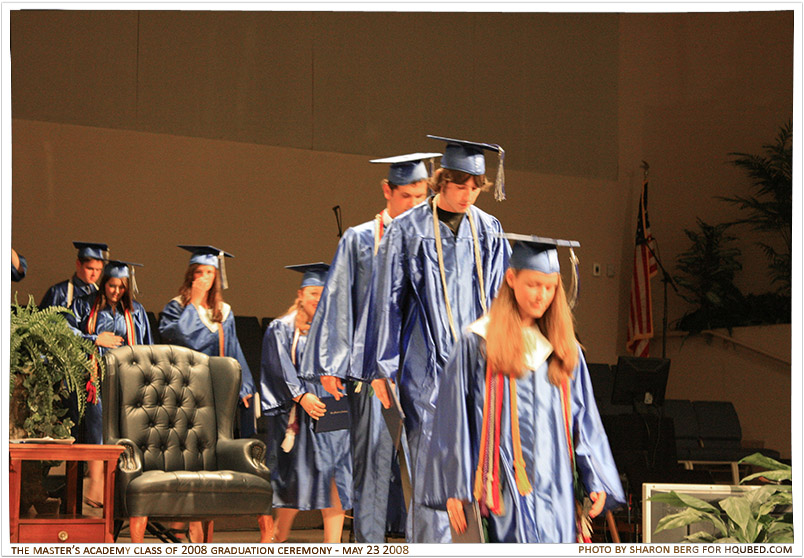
{"type": "Point", "coordinates": [402, 198]}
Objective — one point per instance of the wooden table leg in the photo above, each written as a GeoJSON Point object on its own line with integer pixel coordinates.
{"type": "Point", "coordinates": [71, 473]}
{"type": "Point", "coordinates": [14, 473]}
{"type": "Point", "coordinates": [109, 470]}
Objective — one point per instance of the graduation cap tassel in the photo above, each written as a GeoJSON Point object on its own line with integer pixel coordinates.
{"type": "Point", "coordinates": [499, 183]}
{"type": "Point", "coordinates": [222, 266]}
{"type": "Point", "coordinates": [134, 290]}
{"type": "Point", "coordinates": [575, 286]}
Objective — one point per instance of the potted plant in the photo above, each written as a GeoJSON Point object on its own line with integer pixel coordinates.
{"type": "Point", "coordinates": [48, 362]}
{"type": "Point", "coordinates": [769, 210]}
{"type": "Point", "coordinates": [749, 518]}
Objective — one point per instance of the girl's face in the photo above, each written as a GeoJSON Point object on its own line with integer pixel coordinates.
{"type": "Point", "coordinates": [309, 299]}
{"type": "Point", "coordinates": [206, 274]}
{"type": "Point", "coordinates": [114, 290]}
{"type": "Point", "coordinates": [457, 198]}
{"type": "Point", "coordinates": [534, 292]}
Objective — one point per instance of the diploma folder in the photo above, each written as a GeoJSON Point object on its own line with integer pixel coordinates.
{"type": "Point", "coordinates": [395, 421]}
{"type": "Point", "coordinates": [336, 417]}
{"type": "Point", "coordinates": [394, 416]}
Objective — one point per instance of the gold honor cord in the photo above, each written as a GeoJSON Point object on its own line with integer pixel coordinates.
{"type": "Point", "coordinates": [440, 251]}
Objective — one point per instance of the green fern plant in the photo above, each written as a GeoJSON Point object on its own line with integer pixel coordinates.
{"type": "Point", "coordinates": [48, 361]}
{"type": "Point", "coordinates": [748, 518]}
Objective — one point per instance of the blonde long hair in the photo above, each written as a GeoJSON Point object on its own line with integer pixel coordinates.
{"type": "Point", "coordinates": [505, 342]}
{"type": "Point", "coordinates": [302, 319]}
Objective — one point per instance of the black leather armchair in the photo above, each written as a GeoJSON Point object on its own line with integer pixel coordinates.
{"type": "Point", "coordinates": [173, 409]}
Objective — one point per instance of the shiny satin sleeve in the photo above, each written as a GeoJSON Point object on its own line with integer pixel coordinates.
{"type": "Point", "coordinates": [389, 287]}
{"type": "Point", "coordinates": [141, 324]}
{"type": "Point", "coordinates": [331, 335]}
{"type": "Point", "coordinates": [50, 297]}
{"type": "Point", "coordinates": [180, 325]}
{"type": "Point", "coordinates": [448, 473]}
{"type": "Point", "coordinates": [596, 466]}
{"type": "Point", "coordinates": [279, 382]}
{"type": "Point", "coordinates": [232, 349]}
{"type": "Point", "coordinates": [80, 309]}
{"type": "Point", "coordinates": [19, 274]}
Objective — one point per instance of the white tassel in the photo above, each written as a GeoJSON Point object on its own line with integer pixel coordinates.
{"type": "Point", "coordinates": [499, 182]}
{"type": "Point", "coordinates": [575, 286]}
{"type": "Point", "coordinates": [134, 290]}
{"type": "Point", "coordinates": [288, 442]}
{"type": "Point", "coordinates": [290, 435]}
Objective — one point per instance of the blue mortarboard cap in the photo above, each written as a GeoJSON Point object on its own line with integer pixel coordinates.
{"type": "Point", "coordinates": [209, 255]}
{"type": "Point", "coordinates": [407, 169]}
{"type": "Point", "coordinates": [467, 156]}
{"type": "Point", "coordinates": [120, 269]}
{"type": "Point", "coordinates": [205, 255]}
{"type": "Point", "coordinates": [93, 250]}
{"type": "Point", "coordinates": [315, 274]}
{"type": "Point", "coordinates": [537, 252]}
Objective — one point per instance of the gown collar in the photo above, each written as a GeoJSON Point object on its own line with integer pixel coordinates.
{"type": "Point", "coordinates": [537, 346]}
{"type": "Point", "coordinates": [205, 315]}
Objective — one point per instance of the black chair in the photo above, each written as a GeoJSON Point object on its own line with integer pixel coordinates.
{"type": "Point", "coordinates": [172, 409]}
{"type": "Point", "coordinates": [154, 324]}
{"type": "Point", "coordinates": [249, 333]}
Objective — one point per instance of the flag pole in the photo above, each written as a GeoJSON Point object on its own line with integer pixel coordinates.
{"type": "Point", "coordinates": [666, 278]}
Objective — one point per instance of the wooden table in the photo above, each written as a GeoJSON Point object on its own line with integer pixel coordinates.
{"type": "Point", "coordinates": [72, 527]}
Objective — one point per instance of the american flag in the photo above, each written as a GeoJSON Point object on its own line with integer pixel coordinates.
{"type": "Point", "coordinates": [640, 318]}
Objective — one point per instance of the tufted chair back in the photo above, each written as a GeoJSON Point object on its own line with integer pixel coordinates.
{"type": "Point", "coordinates": [172, 410]}
{"type": "Point", "coordinates": [173, 403]}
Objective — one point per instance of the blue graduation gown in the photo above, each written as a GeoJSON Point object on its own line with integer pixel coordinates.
{"type": "Point", "coordinates": [335, 348]}
{"type": "Point", "coordinates": [183, 325]}
{"type": "Point", "coordinates": [408, 334]}
{"type": "Point", "coordinates": [19, 274]}
{"type": "Point", "coordinates": [57, 294]}
{"type": "Point", "coordinates": [116, 323]}
{"type": "Point", "coordinates": [301, 478]}
{"type": "Point", "coordinates": [547, 514]}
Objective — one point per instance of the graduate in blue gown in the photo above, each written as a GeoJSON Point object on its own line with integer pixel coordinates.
{"type": "Point", "coordinates": [19, 266]}
{"type": "Point", "coordinates": [309, 470]}
{"type": "Point", "coordinates": [515, 396]}
{"type": "Point", "coordinates": [199, 319]}
{"type": "Point", "coordinates": [443, 246]}
{"type": "Point", "coordinates": [109, 317]}
{"type": "Point", "coordinates": [88, 269]}
{"type": "Point", "coordinates": [334, 352]}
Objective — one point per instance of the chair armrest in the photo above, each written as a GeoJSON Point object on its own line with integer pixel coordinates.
{"type": "Point", "coordinates": [129, 467]}
{"type": "Point", "coordinates": [246, 455]}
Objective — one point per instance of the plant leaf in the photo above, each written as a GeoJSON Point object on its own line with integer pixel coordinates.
{"type": "Point", "coordinates": [681, 519]}
{"type": "Point", "coordinates": [700, 537]}
{"type": "Point", "coordinates": [764, 461]}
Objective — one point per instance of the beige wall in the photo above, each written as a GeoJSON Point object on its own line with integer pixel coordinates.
{"type": "Point", "coordinates": [243, 129]}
